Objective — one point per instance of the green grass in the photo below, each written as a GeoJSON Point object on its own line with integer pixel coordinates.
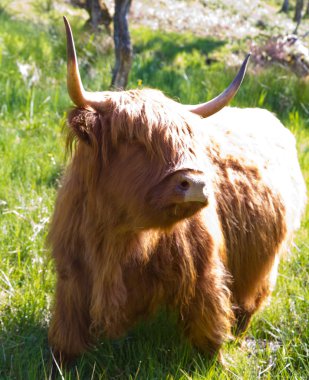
{"type": "Point", "coordinates": [32, 113]}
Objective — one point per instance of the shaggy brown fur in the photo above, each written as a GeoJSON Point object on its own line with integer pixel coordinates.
{"type": "Point", "coordinates": [124, 243]}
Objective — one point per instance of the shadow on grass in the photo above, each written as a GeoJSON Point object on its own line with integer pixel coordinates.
{"type": "Point", "coordinates": [153, 350]}
{"type": "Point", "coordinates": [167, 45]}
{"type": "Point", "coordinates": [163, 60]}
{"type": "Point", "coordinates": [23, 346]}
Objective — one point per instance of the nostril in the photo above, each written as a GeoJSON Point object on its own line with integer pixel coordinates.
{"type": "Point", "coordinates": [184, 185]}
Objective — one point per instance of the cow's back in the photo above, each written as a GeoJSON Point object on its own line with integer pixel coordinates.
{"type": "Point", "coordinates": [259, 189]}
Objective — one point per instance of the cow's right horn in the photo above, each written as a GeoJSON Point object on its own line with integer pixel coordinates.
{"type": "Point", "coordinates": [78, 95]}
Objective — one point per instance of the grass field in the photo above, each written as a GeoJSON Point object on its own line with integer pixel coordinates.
{"type": "Point", "coordinates": [33, 104]}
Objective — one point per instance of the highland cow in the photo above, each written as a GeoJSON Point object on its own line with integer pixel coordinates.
{"type": "Point", "coordinates": [163, 206]}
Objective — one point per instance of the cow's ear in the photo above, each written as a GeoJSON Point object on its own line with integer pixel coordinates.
{"type": "Point", "coordinates": [84, 124]}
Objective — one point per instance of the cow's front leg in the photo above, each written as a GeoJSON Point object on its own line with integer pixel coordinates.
{"type": "Point", "coordinates": [208, 318]}
{"type": "Point", "coordinates": [69, 331]}
{"type": "Point", "coordinates": [108, 299]}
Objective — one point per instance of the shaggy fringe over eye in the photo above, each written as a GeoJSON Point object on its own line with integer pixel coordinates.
{"type": "Point", "coordinates": [162, 126]}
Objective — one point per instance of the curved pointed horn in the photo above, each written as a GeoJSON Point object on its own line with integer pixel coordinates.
{"type": "Point", "coordinates": [220, 101]}
{"type": "Point", "coordinates": [78, 95]}
{"type": "Point", "coordinates": [74, 83]}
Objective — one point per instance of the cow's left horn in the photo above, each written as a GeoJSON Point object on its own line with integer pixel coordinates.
{"type": "Point", "coordinates": [216, 104]}
{"type": "Point", "coordinates": [79, 96]}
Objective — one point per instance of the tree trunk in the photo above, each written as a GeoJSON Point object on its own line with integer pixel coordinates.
{"type": "Point", "coordinates": [123, 47]}
{"type": "Point", "coordinates": [94, 10]}
{"type": "Point", "coordinates": [106, 17]}
{"type": "Point", "coordinates": [98, 12]}
{"type": "Point", "coordinates": [285, 6]}
{"type": "Point", "coordinates": [298, 11]}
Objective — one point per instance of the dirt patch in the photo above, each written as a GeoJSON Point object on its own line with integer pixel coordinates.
{"type": "Point", "coordinates": [223, 19]}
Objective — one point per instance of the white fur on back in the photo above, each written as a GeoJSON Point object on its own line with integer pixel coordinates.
{"type": "Point", "coordinates": [255, 136]}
